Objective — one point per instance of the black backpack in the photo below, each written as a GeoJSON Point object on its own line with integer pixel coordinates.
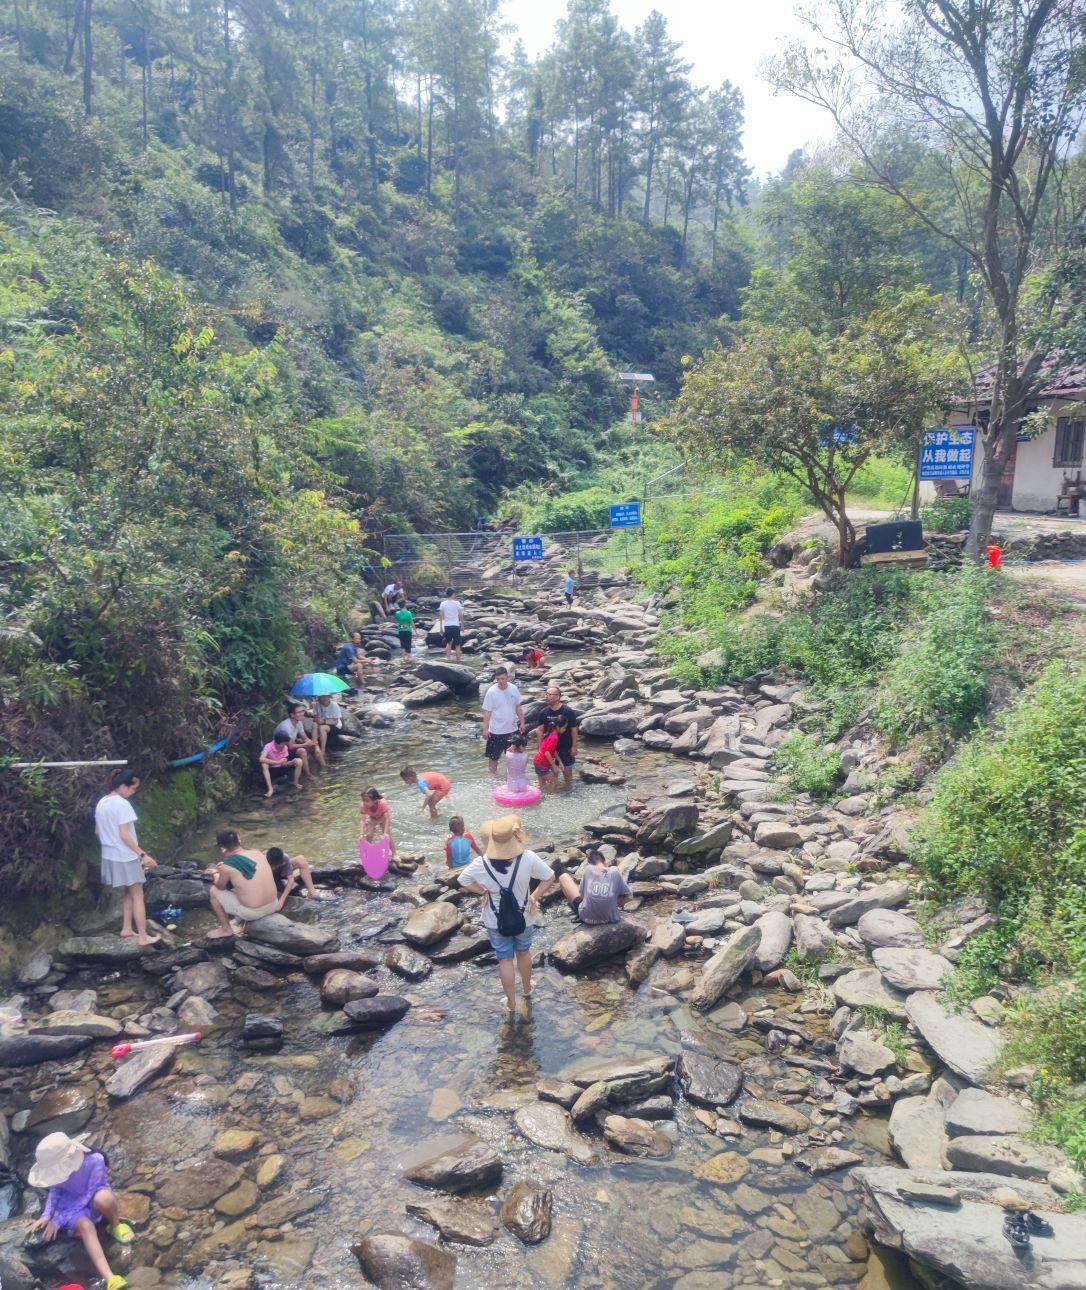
{"type": "Point", "coordinates": [509, 914]}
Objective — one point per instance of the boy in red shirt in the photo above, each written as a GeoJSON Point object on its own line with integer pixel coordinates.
{"type": "Point", "coordinates": [431, 784]}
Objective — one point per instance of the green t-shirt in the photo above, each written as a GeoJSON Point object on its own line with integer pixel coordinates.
{"type": "Point", "coordinates": [405, 620]}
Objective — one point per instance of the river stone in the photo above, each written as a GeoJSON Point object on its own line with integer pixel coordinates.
{"type": "Point", "coordinates": [457, 1220]}
{"type": "Point", "coordinates": [428, 692]}
{"type": "Point", "coordinates": [358, 959]}
{"type": "Point", "coordinates": [863, 1052]}
{"type": "Point", "coordinates": [586, 946]}
{"type": "Point", "coordinates": [827, 1160]}
{"type": "Point", "coordinates": [965, 1242]}
{"type": "Point", "coordinates": [724, 1169]}
{"type": "Point", "coordinates": [267, 957]}
{"type": "Point", "coordinates": [62, 1110]}
{"type": "Point", "coordinates": [281, 933]}
{"type": "Point", "coordinates": [910, 968]}
{"type": "Point", "coordinates": [864, 988]}
{"type": "Point", "coordinates": [67, 1022]}
{"type": "Point", "coordinates": [392, 1261]}
{"type": "Point", "coordinates": [380, 1010]}
{"type": "Point", "coordinates": [469, 1164]}
{"type": "Point", "coordinates": [707, 922]}
{"type": "Point", "coordinates": [889, 929]}
{"type": "Point", "coordinates": [999, 1153]}
{"type": "Point", "coordinates": [431, 923]}
{"type": "Point", "coordinates": [408, 963]}
{"type": "Point", "coordinates": [777, 836]}
{"type": "Point", "coordinates": [668, 937]}
{"type": "Point", "coordinates": [35, 968]}
{"type": "Point", "coordinates": [558, 1090]}
{"type": "Point", "coordinates": [708, 1081]}
{"type": "Point", "coordinates": [455, 675]}
{"type": "Point", "coordinates": [776, 929]}
{"type": "Point", "coordinates": [549, 1126]}
{"type": "Point", "coordinates": [198, 1186]}
{"type": "Point", "coordinates": [608, 725]}
{"type": "Point", "coordinates": [640, 963]}
{"type": "Point", "coordinates": [665, 818]}
{"type": "Point", "coordinates": [261, 1031]}
{"type": "Point", "coordinates": [636, 1137]}
{"type": "Point", "coordinates": [725, 967]}
{"type": "Point", "coordinates": [197, 1014]}
{"type": "Point", "coordinates": [635, 1077]}
{"type": "Point", "coordinates": [460, 948]}
{"type": "Point", "coordinates": [527, 1212]}
{"type": "Point", "coordinates": [773, 1115]}
{"type": "Point", "coordinates": [94, 950]}
{"type": "Point", "coordinates": [885, 896]}
{"type": "Point", "coordinates": [32, 1050]}
{"type": "Point", "coordinates": [917, 1133]}
{"type": "Point", "coordinates": [139, 1069]}
{"type": "Point", "coordinates": [592, 1099]}
{"type": "Point", "coordinates": [714, 839]}
{"type": "Point", "coordinates": [341, 985]}
{"type": "Point", "coordinates": [208, 979]}
{"type": "Point", "coordinates": [73, 1000]}
{"type": "Point", "coordinates": [975, 1111]}
{"type": "Point", "coordinates": [814, 940]}
{"type": "Point", "coordinates": [968, 1047]}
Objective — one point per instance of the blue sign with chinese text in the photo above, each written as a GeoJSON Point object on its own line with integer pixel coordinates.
{"type": "Point", "coordinates": [947, 454]}
{"type": "Point", "coordinates": [626, 515]}
{"type": "Point", "coordinates": [527, 548]}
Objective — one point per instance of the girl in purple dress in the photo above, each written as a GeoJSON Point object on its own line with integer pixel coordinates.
{"type": "Point", "coordinates": [79, 1199]}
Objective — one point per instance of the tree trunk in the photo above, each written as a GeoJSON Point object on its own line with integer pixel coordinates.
{"type": "Point", "coordinates": [145, 73]}
{"type": "Point", "coordinates": [18, 33]}
{"type": "Point", "coordinates": [88, 59]}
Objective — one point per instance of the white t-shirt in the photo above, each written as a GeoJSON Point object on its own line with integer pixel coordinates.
{"type": "Point", "coordinates": [330, 712]}
{"type": "Point", "coordinates": [451, 612]}
{"type": "Point", "coordinates": [502, 706]}
{"type": "Point", "coordinates": [112, 811]}
{"type": "Point", "coordinates": [389, 589]}
{"type": "Point", "coordinates": [294, 730]}
{"type": "Point", "coordinates": [531, 866]}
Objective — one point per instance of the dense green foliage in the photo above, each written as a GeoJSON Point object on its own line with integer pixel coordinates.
{"type": "Point", "coordinates": [807, 766]}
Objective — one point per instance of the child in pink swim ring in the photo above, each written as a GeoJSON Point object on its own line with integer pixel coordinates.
{"type": "Point", "coordinates": [516, 765]}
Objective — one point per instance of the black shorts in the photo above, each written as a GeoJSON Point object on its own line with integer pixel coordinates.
{"type": "Point", "coordinates": [405, 641]}
{"type": "Point", "coordinates": [451, 634]}
{"type": "Point", "coordinates": [569, 597]}
{"type": "Point", "coordinates": [497, 744]}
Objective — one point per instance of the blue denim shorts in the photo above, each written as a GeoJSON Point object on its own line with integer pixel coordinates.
{"type": "Point", "coordinates": [506, 946]}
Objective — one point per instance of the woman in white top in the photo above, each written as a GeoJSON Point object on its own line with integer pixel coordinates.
{"type": "Point", "coordinates": [123, 860]}
{"type": "Point", "coordinates": [507, 864]}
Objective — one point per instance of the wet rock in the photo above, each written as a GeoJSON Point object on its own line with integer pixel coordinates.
{"type": "Point", "coordinates": [341, 985]}
{"type": "Point", "coordinates": [281, 933]}
{"type": "Point", "coordinates": [231, 1143]}
{"type": "Point", "coordinates": [549, 1126]}
{"type": "Point", "coordinates": [431, 923]}
{"type": "Point", "coordinates": [586, 946]}
{"type": "Point", "coordinates": [640, 963]}
{"type": "Point", "coordinates": [1004, 1154]}
{"type": "Point", "coordinates": [35, 968]}
{"type": "Point", "coordinates": [139, 1069]}
{"type": "Point", "coordinates": [917, 1132]}
{"type": "Point", "coordinates": [197, 1014]}
{"type": "Point", "coordinates": [208, 980]}
{"type": "Point", "coordinates": [889, 929]}
{"type": "Point", "coordinates": [358, 959]}
{"type": "Point", "coordinates": [591, 1100]}
{"type": "Point", "coordinates": [707, 1080]}
{"type": "Point", "coordinates": [395, 1262]}
{"type": "Point", "coordinates": [428, 692]}
{"type": "Point", "coordinates": [455, 675]}
{"type": "Point", "coordinates": [372, 1014]}
{"type": "Point", "coordinates": [884, 896]}
{"type": "Point", "coordinates": [461, 948]}
{"type": "Point", "coordinates": [714, 839]}
{"type": "Point", "coordinates": [62, 1110]}
{"type": "Point", "coordinates": [636, 1137]}
{"type": "Point", "coordinates": [864, 988]}
{"type": "Point", "coordinates": [975, 1111]}
{"type": "Point", "coordinates": [457, 1220]}
{"type": "Point", "coordinates": [725, 1169]}
{"type": "Point", "coordinates": [469, 1164]}
{"type": "Point", "coordinates": [90, 951]}
{"type": "Point", "coordinates": [627, 1079]}
{"type": "Point", "coordinates": [909, 968]}
{"type": "Point", "coordinates": [32, 1050]}
{"type": "Point", "coordinates": [262, 1032]}
{"type": "Point", "coordinates": [267, 958]}
{"type": "Point", "coordinates": [827, 1160]}
{"type": "Point", "coordinates": [558, 1090]}
{"type": "Point", "coordinates": [773, 1115]}
{"type": "Point", "coordinates": [776, 929]}
{"type": "Point", "coordinates": [527, 1211]}
{"type": "Point", "coordinates": [863, 1052]}
{"type": "Point", "coordinates": [968, 1047]}
{"type": "Point", "coordinates": [408, 963]}
{"type": "Point", "coordinates": [74, 1001]}
{"type": "Point", "coordinates": [197, 1186]}
{"type": "Point", "coordinates": [725, 967]}
{"type": "Point", "coordinates": [67, 1022]}
{"type": "Point", "coordinates": [649, 1108]}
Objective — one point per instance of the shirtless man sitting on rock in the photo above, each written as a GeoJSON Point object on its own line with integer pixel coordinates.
{"type": "Point", "coordinates": [242, 887]}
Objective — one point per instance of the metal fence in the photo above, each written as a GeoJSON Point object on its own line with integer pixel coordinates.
{"type": "Point", "coordinates": [457, 555]}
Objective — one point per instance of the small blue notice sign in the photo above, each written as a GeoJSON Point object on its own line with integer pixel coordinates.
{"type": "Point", "coordinates": [626, 515]}
{"type": "Point", "coordinates": [947, 454]}
{"type": "Point", "coordinates": [527, 548]}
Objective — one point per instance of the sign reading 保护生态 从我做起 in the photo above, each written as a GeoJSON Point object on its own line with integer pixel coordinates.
{"type": "Point", "coordinates": [947, 454]}
{"type": "Point", "coordinates": [527, 548]}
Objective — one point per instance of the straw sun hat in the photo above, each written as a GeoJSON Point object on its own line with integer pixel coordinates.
{"type": "Point", "coordinates": [503, 838]}
{"type": "Point", "coordinates": [56, 1159]}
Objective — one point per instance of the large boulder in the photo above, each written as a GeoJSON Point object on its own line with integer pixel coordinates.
{"type": "Point", "coordinates": [885, 896]}
{"type": "Point", "coordinates": [889, 929]}
{"type": "Point", "coordinates": [968, 1047]}
{"type": "Point", "coordinates": [608, 725]}
{"type": "Point", "coordinates": [725, 967]}
{"type": "Point", "coordinates": [666, 818]}
{"type": "Point", "coordinates": [32, 1050]}
{"type": "Point", "coordinates": [281, 933]}
{"type": "Point", "coordinates": [468, 1164]}
{"type": "Point", "coordinates": [94, 951]}
{"type": "Point", "coordinates": [1004, 1153]}
{"type": "Point", "coordinates": [392, 1261]}
{"type": "Point", "coordinates": [426, 693]}
{"type": "Point", "coordinates": [455, 675]}
{"type": "Point", "coordinates": [177, 890]}
{"type": "Point", "coordinates": [917, 1132]}
{"type": "Point", "coordinates": [976, 1111]}
{"type": "Point", "coordinates": [341, 985]}
{"type": "Point", "coordinates": [865, 988]}
{"type": "Point", "coordinates": [864, 1052]}
{"type": "Point", "coordinates": [910, 967]}
{"type": "Point", "coordinates": [431, 923]}
{"type": "Point", "coordinates": [66, 1021]}
{"type": "Point", "coordinates": [587, 945]}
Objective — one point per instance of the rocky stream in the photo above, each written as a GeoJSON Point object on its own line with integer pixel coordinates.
{"type": "Point", "coordinates": [706, 1096]}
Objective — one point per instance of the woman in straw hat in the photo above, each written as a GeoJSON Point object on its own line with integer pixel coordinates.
{"type": "Point", "coordinates": [509, 866]}
{"type": "Point", "coordinates": [79, 1199]}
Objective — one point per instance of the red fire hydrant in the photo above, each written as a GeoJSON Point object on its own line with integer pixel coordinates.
{"type": "Point", "coordinates": [995, 557]}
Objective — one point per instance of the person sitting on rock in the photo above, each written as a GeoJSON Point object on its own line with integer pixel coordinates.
{"type": "Point", "coordinates": [79, 1198]}
{"type": "Point", "coordinates": [352, 660]}
{"type": "Point", "coordinates": [432, 784]}
{"type": "Point", "coordinates": [302, 743]}
{"type": "Point", "coordinates": [601, 892]}
{"type": "Point", "coordinates": [242, 886]}
{"type": "Point", "coordinates": [288, 871]}
{"type": "Point", "coordinates": [277, 755]}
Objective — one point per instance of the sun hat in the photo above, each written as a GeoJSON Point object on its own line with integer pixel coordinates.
{"type": "Point", "coordinates": [56, 1159]}
{"type": "Point", "coordinates": [504, 838]}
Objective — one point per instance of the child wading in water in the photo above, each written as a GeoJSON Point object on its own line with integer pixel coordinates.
{"type": "Point", "coordinates": [432, 784]}
{"type": "Point", "coordinates": [459, 845]}
{"type": "Point", "coordinates": [516, 765]}
{"type": "Point", "coordinates": [79, 1199]}
{"type": "Point", "coordinates": [375, 818]}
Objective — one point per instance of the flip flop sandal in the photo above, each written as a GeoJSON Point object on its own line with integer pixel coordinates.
{"type": "Point", "coordinates": [122, 1234]}
{"type": "Point", "coordinates": [116, 1282]}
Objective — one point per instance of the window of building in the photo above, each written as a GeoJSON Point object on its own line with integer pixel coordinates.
{"type": "Point", "coordinates": [1069, 437]}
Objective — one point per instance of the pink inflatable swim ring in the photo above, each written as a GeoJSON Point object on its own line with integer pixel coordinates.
{"type": "Point", "coordinates": [526, 797]}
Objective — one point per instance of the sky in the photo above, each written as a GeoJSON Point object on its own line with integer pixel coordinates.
{"type": "Point", "coordinates": [723, 40]}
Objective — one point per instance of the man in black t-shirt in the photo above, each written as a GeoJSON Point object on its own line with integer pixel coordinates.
{"type": "Point", "coordinates": [568, 739]}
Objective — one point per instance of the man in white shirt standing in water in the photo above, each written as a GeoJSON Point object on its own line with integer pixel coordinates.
{"type": "Point", "coordinates": [452, 623]}
{"type": "Point", "coordinates": [503, 717]}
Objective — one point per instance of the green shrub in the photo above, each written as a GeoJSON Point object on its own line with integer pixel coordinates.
{"type": "Point", "coordinates": [882, 483]}
{"type": "Point", "coordinates": [947, 515]}
{"type": "Point", "coordinates": [807, 766]}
